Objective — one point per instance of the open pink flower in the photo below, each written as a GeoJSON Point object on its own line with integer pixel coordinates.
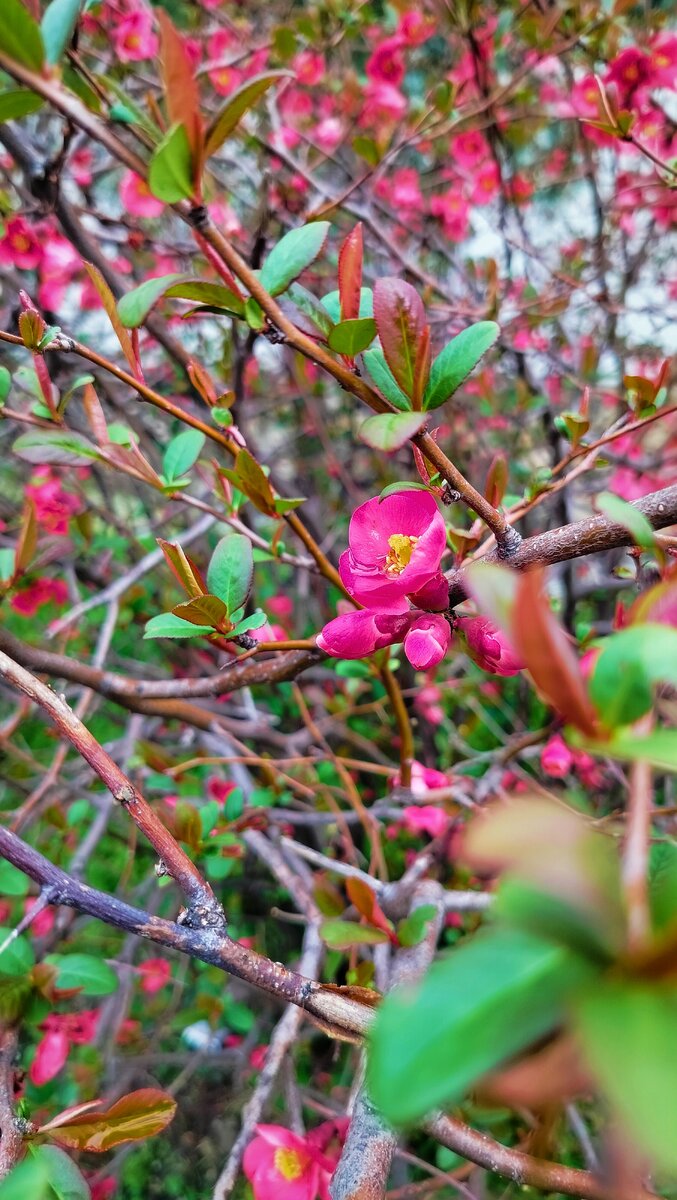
{"type": "Point", "coordinates": [134, 37]}
{"type": "Point", "coordinates": [137, 197]}
{"type": "Point", "coordinates": [396, 546]}
{"type": "Point", "coordinates": [488, 646]}
{"type": "Point", "coordinates": [283, 1164]}
{"type": "Point", "coordinates": [425, 818]}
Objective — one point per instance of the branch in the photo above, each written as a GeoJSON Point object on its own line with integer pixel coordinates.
{"type": "Point", "coordinates": [204, 908]}
{"type": "Point", "coordinates": [11, 1135]}
{"type": "Point", "coordinates": [590, 536]}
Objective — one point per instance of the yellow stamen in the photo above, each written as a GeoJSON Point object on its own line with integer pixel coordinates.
{"type": "Point", "coordinates": [399, 555]}
{"type": "Point", "coordinates": [288, 1163]}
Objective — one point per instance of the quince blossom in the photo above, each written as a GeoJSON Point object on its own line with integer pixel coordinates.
{"type": "Point", "coordinates": [396, 546]}
{"type": "Point", "coordinates": [288, 1166]}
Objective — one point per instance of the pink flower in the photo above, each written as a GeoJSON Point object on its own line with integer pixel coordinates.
{"type": "Point", "coordinates": [556, 757]}
{"type": "Point", "coordinates": [486, 183]}
{"type": "Point", "coordinates": [329, 133]}
{"type": "Point", "coordinates": [60, 1032]}
{"type": "Point", "coordinates": [427, 641]}
{"type": "Point", "coordinates": [20, 247]}
{"type": "Point", "coordinates": [452, 210]}
{"type": "Point", "coordinates": [386, 64]}
{"type": "Point", "coordinates": [53, 506]}
{"type": "Point", "coordinates": [356, 634]}
{"type": "Point", "coordinates": [427, 703]}
{"type": "Point", "coordinates": [396, 546]}
{"type": "Point", "coordinates": [423, 779]}
{"type": "Point", "coordinates": [630, 70]}
{"type": "Point", "coordinates": [134, 39]}
{"type": "Point", "coordinates": [220, 789]}
{"type": "Point", "coordinates": [663, 60]}
{"type": "Point", "coordinates": [425, 818]}
{"type": "Point", "coordinates": [415, 28]}
{"type": "Point", "coordinates": [488, 646]}
{"type": "Point", "coordinates": [223, 78]}
{"type": "Point", "coordinates": [40, 592]}
{"type": "Point", "coordinates": [257, 1058]}
{"type": "Point", "coordinates": [137, 197]}
{"type": "Point", "coordinates": [309, 67]}
{"type": "Point", "coordinates": [469, 148]}
{"type": "Point", "coordinates": [288, 1166]}
{"type": "Point", "coordinates": [155, 974]}
{"type": "Point", "coordinates": [383, 102]}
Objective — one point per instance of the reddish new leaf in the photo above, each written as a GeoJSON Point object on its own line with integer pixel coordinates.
{"type": "Point", "coordinates": [28, 538]}
{"type": "Point", "coordinates": [368, 906]}
{"type": "Point", "coordinates": [181, 91]}
{"type": "Point", "coordinates": [110, 305]}
{"type": "Point", "coordinates": [350, 274]}
{"type": "Point", "coordinates": [136, 1116]}
{"type": "Point", "coordinates": [183, 569]}
{"type": "Point", "coordinates": [400, 320]}
{"type": "Point", "coordinates": [497, 480]}
{"type": "Point", "coordinates": [541, 642]}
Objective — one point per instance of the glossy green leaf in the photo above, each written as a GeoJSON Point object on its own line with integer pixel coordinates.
{"type": "Point", "coordinates": [254, 621]}
{"type": "Point", "coordinates": [353, 336]}
{"type": "Point", "coordinates": [382, 376]}
{"type": "Point", "coordinates": [231, 571]}
{"type": "Point", "coordinates": [389, 431]}
{"type": "Point", "coordinates": [20, 36]}
{"type": "Point", "coordinates": [92, 975]}
{"type": "Point", "coordinates": [216, 295]}
{"type": "Point", "coordinates": [56, 446]}
{"type": "Point", "coordinates": [65, 1179]}
{"type": "Point", "coordinates": [170, 174]}
{"type": "Point", "coordinates": [341, 935]}
{"type": "Point", "coordinates": [412, 929]}
{"type": "Point", "coordinates": [58, 24]}
{"type": "Point", "coordinates": [292, 254]}
{"type": "Point", "coordinates": [29, 1179]}
{"type": "Point", "coordinates": [133, 308]}
{"type": "Point", "coordinates": [182, 453]}
{"type": "Point", "coordinates": [622, 513]}
{"type": "Point", "coordinates": [629, 665]}
{"type": "Point", "coordinates": [628, 1032]}
{"type": "Point", "coordinates": [17, 958]}
{"type": "Point", "coordinates": [237, 105]}
{"type": "Point", "coordinates": [169, 626]}
{"type": "Point", "coordinates": [406, 485]}
{"type": "Point", "coordinates": [319, 320]}
{"type": "Point", "coordinates": [658, 748]}
{"type": "Point", "coordinates": [332, 303]}
{"type": "Point", "coordinates": [457, 360]}
{"type": "Point", "coordinates": [18, 102]}
{"type": "Point", "coordinates": [5, 384]}
{"type": "Point", "coordinates": [483, 1002]}
{"type": "Point", "coordinates": [13, 882]}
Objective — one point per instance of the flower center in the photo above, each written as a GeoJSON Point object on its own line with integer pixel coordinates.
{"type": "Point", "coordinates": [400, 552]}
{"type": "Point", "coordinates": [289, 1163]}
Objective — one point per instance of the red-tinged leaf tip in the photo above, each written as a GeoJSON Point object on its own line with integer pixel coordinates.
{"type": "Point", "coordinates": [542, 643]}
{"type": "Point", "coordinates": [400, 320]}
{"type": "Point", "coordinates": [350, 274]}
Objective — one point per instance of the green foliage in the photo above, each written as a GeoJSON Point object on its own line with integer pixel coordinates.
{"type": "Point", "coordinates": [166, 625]}
{"type": "Point", "coordinates": [181, 454]}
{"type": "Point", "coordinates": [351, 337]}
{"type": "Point", "coordinates": [15, 103]}
{"type": "Point", "coordinates": [20, 36]}
{"type": "Point", "coordinates": [231, 571]}
{"type": "Point", "coordinates": [292, 254]}
{"type": "Point", "coordinates": [630, 518]}
{"type": "Point", "coordinates": [91, 975]}
{"type": "Point", "coordinates": [389, 431]}
{"type": "Point", "coordinates": [480, 1004]}
{"type": "Point", "coordinates": [236, 106]}
{"type": "Point", "coordinates": [134, 307]}
{"type": "Point", "coordinates": [378, 369]}
{"type": "Point", "coordinates": [629, 665]}
{"type": "Point", "coordinates": [170, 175]}
{"type": "Point", "coordinates": [58, 24]}
{"type": "Point", "coordinates": [459, 357]}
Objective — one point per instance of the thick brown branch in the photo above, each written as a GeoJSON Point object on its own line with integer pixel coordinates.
{"type": "Point", "coordinates": [590, 536]}
{"type": "Point", "coordinates": [11, 1137]}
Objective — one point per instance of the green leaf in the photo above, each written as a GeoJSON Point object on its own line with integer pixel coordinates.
{"type": "Point", "coordinates": [377, 367]}
{"type": "Point", "coordinates": [332, 303]}
{"type": "Point", "coordinates": [92, 975]}
{"type": "Point", "coordinates": [341, 935]}
{"type": "Point", "coordinates": [20, 37]}
{"type": "Point", "coordinates": [170, 174]}
{"type": "Point", "coordinates": [622, 513]}
{"type": "Point", "coordinates": [405, 485]}
{"type": "Point", "coordinates": [182, 453]}
{"type": "Point", "coordinates": [658, 748]}
{"type": "Point", "coordinates": [13, 882]}
{"type": "Point", "coordinates": [311, 307]}
{"type": "Point", "coordinates": [5, 384]}
{"type": "Point", "coordinates": [254, 621]}
{"type": "Point", "coordinates": [169, 626]}
{"type": "Point", "coordinates": [628, 1031]}
{"type": "Point", "coordinates": [412, 929]}
{"type": "Point", "coordinates": [485, 1001]}
{"type": "Point", "coordinates": [65, 1179]}
{"type": "Point", "coordinates": [58, 23]}
{"type": "Point", "coordinates": [353, 336]}
{"type": "Point", "coordinates": [213, 294]}
{"type": "Point", "coordinates": [56, 446]}
{"type": "Point", "coordinates": [296, 251]}
{"type": "Point", "coordinates": [18, 102]}
{"type": "Point", "coordinates": [231, 571]}
{"type": "Point", "coordinates": [135, 306]}
{"type": "Point", "coordinates": [27, 1180]}
{"type": "Point", "coordinates": [17, 958]}
{"type": "Point", "coordinates": [7, 563]}
{"type": "Point", "coordinates": [389, 431]}
{"type": "Point", "coordinates": [254, 314]}
{"type": "Point", "coordinates": [629, 665]}
{"type": "Point", "coordinates": [457, 360]}
{"type": "Point", "coordinates": [15, 993]}
{"type": "Point", "coordinates": [237, 105]}
{"type": "Point", "coordinates": [285, 504]}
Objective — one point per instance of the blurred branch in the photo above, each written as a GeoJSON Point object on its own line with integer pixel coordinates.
{"type": "Point", "coordinates": [11, 1136]}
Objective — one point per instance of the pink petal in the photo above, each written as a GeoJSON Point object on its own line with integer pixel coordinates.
{"type": "Point", "coordinates": [357, 634]}
{"type": "Point", "coordinates": [433, 596]}
{"type": "Point", "coordinates": [427, 641]}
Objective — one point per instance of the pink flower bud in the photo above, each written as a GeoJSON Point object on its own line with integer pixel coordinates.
{"type": "Point", "coordinates": [488, 646]}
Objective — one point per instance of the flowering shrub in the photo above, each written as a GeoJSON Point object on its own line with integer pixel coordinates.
{"type": "Point", "coordinates": [338, 636]}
